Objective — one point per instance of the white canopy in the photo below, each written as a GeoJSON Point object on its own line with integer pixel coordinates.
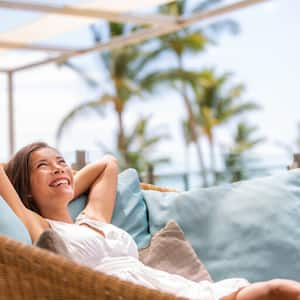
{"type": "Point", "coordinates": [62, 19]}
{"type": "Point", "coordinates": [56, 20]}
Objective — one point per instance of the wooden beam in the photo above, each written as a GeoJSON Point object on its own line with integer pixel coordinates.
{"type": "Point", "coordinates": [116, 42]}
{"type": "Point", "coordinates": [89, 13]}
{"type": "Point", "coordinates": [144, 34]}
{"type": "Point", "coordinates": [196, 17]}
{"type": "Point", "coordinates": [11, 113]}
{"type": "Point", "coordinates": [5, 70]}
{"type": "Point", "coordinates": [35, 47]}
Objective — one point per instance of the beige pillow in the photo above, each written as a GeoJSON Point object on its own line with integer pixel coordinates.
{"type": "Point", "coordinates": [169, 251]}
{"type": "Point", "coordinates": [51, 241]}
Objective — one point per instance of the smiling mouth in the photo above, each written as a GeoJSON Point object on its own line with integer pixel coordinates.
{"type": "Point", "coordinates": [60, 182]}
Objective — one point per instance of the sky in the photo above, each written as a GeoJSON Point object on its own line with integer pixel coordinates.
{"type": "Point", "coordinates": [264, 56]}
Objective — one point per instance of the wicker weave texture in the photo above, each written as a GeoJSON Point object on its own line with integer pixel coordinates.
{"type": "Point", "coordinates": [27, 273]}
{"type": "Point", "coordinates": [147, 186]}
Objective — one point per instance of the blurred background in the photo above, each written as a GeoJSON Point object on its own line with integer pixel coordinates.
{"type": "Point", "coordinates": [214, 103]}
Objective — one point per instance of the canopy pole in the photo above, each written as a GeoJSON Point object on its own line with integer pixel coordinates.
{"type": "Point", "coordinates": [11, 121]}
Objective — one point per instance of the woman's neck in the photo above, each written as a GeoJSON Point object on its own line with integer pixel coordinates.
{"type": "Point", "coordinates": [58, 215]}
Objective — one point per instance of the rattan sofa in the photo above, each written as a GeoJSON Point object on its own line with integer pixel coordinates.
{"type": "Point", "coordinates": [27, 273]}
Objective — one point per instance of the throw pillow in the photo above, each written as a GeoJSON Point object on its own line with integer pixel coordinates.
{"type": "Point", "coordinates": [249, 229]}
{"type": "Point", "coordinates": [51, 241]}
{"type": "Point", "coordinates": [169, 251]}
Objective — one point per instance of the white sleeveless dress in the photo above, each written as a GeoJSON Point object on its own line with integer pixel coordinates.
{"type": "Point", "coordinates": [117, 254]}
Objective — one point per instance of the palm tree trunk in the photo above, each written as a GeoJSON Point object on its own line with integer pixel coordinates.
{"type": "Point", "coordinates": [192, 127]}
{"type": "Point", "coordinates": [121, 137]}
{"type": "Point", "coordinates": [186, 165]}
{"type": "Point", "coordinates": [212, 158]}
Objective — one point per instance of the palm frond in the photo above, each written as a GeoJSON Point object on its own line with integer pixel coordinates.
{"type": "Point", "coordinates": [214, 29]}
{"type": "Point", "coordinates": [149, 57]}
{"type": "Point", "coordinates": [158, 79]}
{"type": "Point", "coordinates": [80, 109]}
{"type": "Point", "coordinates": [96, 34]}
{"type": "Point", "coordinates": [152, 141]}
{"type": "Point", "coordinates": [237, 110]}
{"type": "Point", "coordinates": [97, 38]}
{"type": "Point", "coordinates": [82, 73]}
{"type": "Point", "coordinates": [204, 5]}
{"type": "Point", "coordinates": [116, 29]}
{"type": "Point", "coordinates": [194, 41]}
{"type": "Point", "coordinates": [175, 8]}
{"type": "Point", "coordinates": [236, 91]}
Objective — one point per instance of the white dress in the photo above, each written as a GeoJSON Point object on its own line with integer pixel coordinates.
{"type": "Point", "coordinates": [117, 254]}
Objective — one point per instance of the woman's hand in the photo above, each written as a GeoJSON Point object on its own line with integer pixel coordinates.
{"type": "Point", "coordinates": [109, 159]}
{"type": "Point", "coordinates": [86, 177]}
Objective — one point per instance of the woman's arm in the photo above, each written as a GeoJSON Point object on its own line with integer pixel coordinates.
{"type": "Point", "coordinates": [9, 194]}
{"type": "Point", "coordinates": [32, 221]}
{"type": "Point", "coordinates": [100, 179]}
{"type": "Point", "coordinates": [85, 177]}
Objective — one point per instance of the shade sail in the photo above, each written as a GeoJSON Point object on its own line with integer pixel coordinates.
{"type": "Point", "coordinates": [52, 25]}
{"type": "Point", "coordinates": [62, 19]}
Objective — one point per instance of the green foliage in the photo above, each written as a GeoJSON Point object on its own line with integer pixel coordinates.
{"type": "Point", "coordinates": [141, 142]}
{"type": "Point", "coordinates": [237, 164]}
{"type": "Point", "coordinates": [217, 103]}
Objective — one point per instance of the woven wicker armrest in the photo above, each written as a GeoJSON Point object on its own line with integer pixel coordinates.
{"type": "Point", "coordinates": [28, 272]}
{"type": "Point", "coordinates": [147, 186]}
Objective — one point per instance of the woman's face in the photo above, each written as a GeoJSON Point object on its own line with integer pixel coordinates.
{"type": "Point", "coordinates": [51, 179]}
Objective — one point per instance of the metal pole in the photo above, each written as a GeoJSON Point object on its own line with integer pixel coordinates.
{"type": "Point", "coordinates": [11, 121]}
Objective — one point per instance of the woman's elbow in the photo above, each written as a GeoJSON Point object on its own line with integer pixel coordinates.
{"type": "Point", "coordinates": [110, 159]}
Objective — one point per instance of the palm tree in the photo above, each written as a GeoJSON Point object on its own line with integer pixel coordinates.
{"type": "Point", "coordinates": [237, 166]}
{"type": "Point", "coordinates": [217, 103]}
{"type": "Point", "coordinates": [188, 40]}
{"type": "Point", "coordinates": [124, 68]}
{"type": "Point", "coordinates": [140, 142]}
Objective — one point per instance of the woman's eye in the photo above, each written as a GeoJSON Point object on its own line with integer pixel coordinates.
{"type": "Point", "coordinates": [41, 165]}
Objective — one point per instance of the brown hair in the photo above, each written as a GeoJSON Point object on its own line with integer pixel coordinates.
{"type": "Point", "coordinates": [18, 172]}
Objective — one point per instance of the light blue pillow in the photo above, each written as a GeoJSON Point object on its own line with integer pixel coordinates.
{"type": "Point", "coordinates": [11, 225]}
{"type": "Point", "coordinates": [130, 212]}
{"type": "Point", "coordinates": [249, 229]}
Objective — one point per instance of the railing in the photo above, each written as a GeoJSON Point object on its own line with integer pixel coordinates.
{"type": "Point", "coordinates": [183, 180]}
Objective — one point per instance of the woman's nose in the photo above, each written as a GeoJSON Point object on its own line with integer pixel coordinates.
{"type": "Point", "coordinates": [58, 169]}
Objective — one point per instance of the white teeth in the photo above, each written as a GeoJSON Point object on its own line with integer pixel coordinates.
{"type": "Point", "coordinates": [59, 182]}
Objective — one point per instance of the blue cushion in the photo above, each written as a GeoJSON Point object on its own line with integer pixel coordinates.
{"type": "Point", "coordinates": [11, 225]}
{"type": "Point", "coordinates": [248, 229]}
{"type": "Point", "coordinates": [130, 212]}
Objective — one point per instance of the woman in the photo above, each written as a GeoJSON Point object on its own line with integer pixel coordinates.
{"type": "Point", "coordinates": [38, 185]}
